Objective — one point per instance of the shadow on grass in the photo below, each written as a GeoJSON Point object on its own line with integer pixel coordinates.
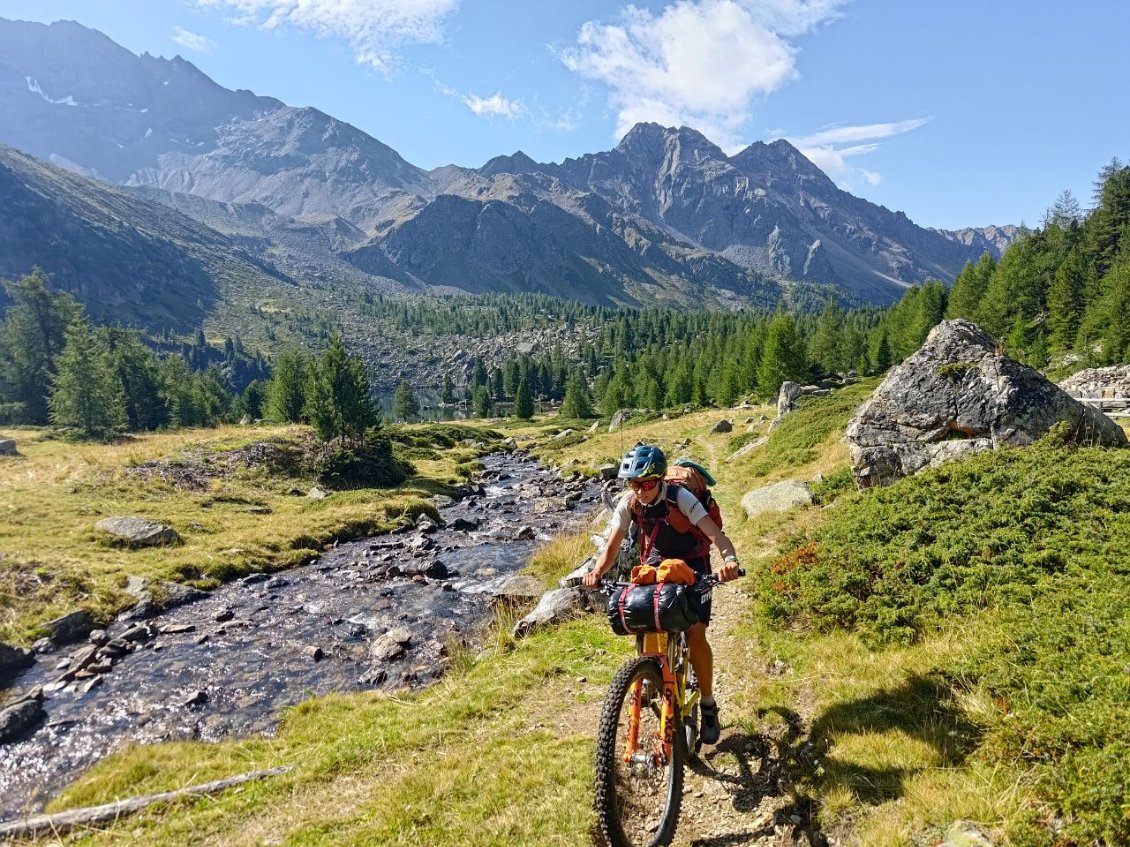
{"type": "Point", "coordinates": [921, 708]}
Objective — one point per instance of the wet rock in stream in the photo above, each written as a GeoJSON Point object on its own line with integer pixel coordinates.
{"type": "Point", "coordinates": [230, 661]}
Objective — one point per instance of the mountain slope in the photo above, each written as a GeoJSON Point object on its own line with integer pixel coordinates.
{"type": "Point", "coordinates": [127, 260]}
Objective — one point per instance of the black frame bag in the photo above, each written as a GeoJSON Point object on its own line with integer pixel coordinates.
{"type": "Point", "coordinates": [661, 607]}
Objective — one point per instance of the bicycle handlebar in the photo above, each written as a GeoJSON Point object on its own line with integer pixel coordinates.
{"type": "Point", "coordinates": [707, 579]}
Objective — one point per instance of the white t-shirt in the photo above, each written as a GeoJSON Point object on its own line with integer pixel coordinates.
{"type": "Point", "coordinates": [686, 501]}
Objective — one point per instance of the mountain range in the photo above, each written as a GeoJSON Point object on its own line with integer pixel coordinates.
{"type": "Point", "coordinates": [664, 217]}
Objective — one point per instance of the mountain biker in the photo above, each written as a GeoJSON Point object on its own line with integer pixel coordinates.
{"type": "Point", "coordinates": [647, 502]}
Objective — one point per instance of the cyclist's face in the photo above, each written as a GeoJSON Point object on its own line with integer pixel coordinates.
{"type": "Point", "coordinates": [646, 490]}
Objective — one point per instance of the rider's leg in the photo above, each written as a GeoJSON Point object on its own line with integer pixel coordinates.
{"type": "Point", "coordinates": [702, 659]}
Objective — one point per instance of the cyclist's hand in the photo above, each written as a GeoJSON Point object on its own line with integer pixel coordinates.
{"type": "Point", "coordinates": [729, 570]}
{"type": "Point", "coordinates": [591, 580]}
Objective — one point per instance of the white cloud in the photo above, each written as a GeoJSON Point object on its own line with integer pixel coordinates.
{"type": "Point", "coordinates": [192, 41]}
{"type": "Point", "coordinates": [831, 148]}
{"type": "Point", "coordinates": [495, 106]}
{"type": "Point", "coordinates": [372, 28]}
{"type": "Point", "coordinates": [701, 63]}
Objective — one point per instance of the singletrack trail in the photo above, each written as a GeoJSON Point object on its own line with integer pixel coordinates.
{"type": "Point", "coordinates": [737, 792]}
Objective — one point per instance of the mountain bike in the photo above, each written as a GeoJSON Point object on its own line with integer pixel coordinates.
{"type": "Point", "coordinates": [648, 727]}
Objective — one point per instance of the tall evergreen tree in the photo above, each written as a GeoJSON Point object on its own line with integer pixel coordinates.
{"type": "Point", "coordinates": [286, 390]}
{"type": "Point", "coordinates": [31, 337]}
{"type": "Point", "coordinates": [577, 402]}
{"type": "Point", "coordinates": [338, 401]}
{"type": "Point", "coordinates": [481, 404]}
{"type": "Point", "coordinates": [86, 392]}
{"type": "Point", "coordinates": [783, 356]}
{"type": "Point", "coordinates": [524, 400]}
{"type": "Point", "coordinates": [405, 406]}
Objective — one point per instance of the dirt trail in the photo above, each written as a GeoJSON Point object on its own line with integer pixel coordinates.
{"type": "Point", "coordinates": [735, 792]}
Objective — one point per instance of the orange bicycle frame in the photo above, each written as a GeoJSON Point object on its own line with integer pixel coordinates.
{"type": "Point", "coordinates": [661, 646]}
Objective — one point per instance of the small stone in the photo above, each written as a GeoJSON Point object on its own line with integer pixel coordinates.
{"type": "Point", "coordinates": [315, 653]}
{"type": "Point", "coordinates": [195, 698]}
{"type": "Point", "coordinates": [99, 637]}
{"type": "Point", "coordinates": [224, 615]}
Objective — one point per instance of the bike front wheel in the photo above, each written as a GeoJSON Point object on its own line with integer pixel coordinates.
{"type": "Point", "coordinates": [639, 789]}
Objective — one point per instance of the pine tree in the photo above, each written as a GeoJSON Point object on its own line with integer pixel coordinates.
{"type": "Point", "coordinates": [286, 390]}
{"type": "Point", "coordinates": [481, 405]}
{"type": "Point", "coordinates": [577, 403]}
{"type": "Point", "coordinates": [524, 400]}
{"type": "Point", "coordinates": [251, 401]}
{"type": "Point", "coordinates": [783, 356]}
{"type": "Point", "coordinates": [405, 406]}
{"type": "Point", "coordinates": [31, 337]}
{"type": "Point", "coordinates": [338, 400]}
{"type": "Point", "coordinates": [139, 372]}
{"type": "Point", "coordinates": [86, 393]}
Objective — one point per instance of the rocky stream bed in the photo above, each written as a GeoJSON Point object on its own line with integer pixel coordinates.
{"type": "Point", "coordinates": [370, 614]}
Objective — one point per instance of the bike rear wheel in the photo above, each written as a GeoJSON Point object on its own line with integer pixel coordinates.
{"type": "Point", "coordinates": [638, 797]}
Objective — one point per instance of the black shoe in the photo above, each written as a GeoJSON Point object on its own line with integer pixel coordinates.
{"type": "Point", "coordinates": [711, 729]}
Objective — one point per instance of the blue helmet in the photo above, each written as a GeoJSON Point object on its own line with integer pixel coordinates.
{"type": "Point", "coordinates": [646, 460]}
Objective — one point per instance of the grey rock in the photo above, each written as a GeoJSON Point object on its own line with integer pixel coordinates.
{"type": "Point", "coordinates": [70, 627]}
{"type": "Point", "coordinates": [18, 719]}
{"type": "Point", "coordinates": [746, 449]}
{"type": "Point", "coordinates": [778, 497]}
{"type": "Point", "coordinates": [465, 524]}
{"type": "Point", "coordinates": [316, 493]}
{"type": "Point", "coordinates": [391, 646]}
{"type": "Point", "coordinates": [526, 533]}
{"type": "Point", "coordinates": [618, 419]}
{"type": "Point", "coordinates": [564, 433]}
{"type": "Point", "coordinates": [518, 590]}
{"type": "Point", "coordinates": [608, 472]}
{"type": "Point", "coordinates": [964, 834]}
{"type": "Point", "coordinates": [194, 698]}
{"type": "Point", "coordinates": [960, 394]}
{"type": "Point", "coordinates": [554, 607]}
{"type": "Point", "coordinates": [436, 570]}
{"type": "Point", "coordinates": [138, 532]}
{"type": "Point", "coordinates": [13, 660]}
{"type": "Point", "coordinates": [722, 426]}
{"type": "Point", "coordinates": [154, 598]}
{"type": "Point", "coordinates": [8, 447]}
{"type": "Point", "coordinates": [426, 525]}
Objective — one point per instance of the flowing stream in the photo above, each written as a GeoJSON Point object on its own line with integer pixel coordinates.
{"type": "Point", "coordinates": [228, 664]}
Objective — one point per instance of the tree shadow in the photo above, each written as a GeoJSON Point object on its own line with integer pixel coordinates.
{"type": "Point", "coordinates": [921, 708]}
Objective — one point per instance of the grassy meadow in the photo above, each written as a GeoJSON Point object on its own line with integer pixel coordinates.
{"type": "Point", "coordinates": [951, 648]}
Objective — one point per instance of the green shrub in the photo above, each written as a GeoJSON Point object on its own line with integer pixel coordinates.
{"type": "Point", "coordinates": [832, 486]}
{"type": "Point", "coordinates": [372, 465]}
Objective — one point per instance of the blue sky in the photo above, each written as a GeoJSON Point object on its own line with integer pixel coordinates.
{"type": "Point", "coordinates": [958, 114]}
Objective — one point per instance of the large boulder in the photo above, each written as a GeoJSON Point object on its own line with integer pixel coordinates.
{"type": "Point", "coordinates": [960, 394]}
{"type": "Point", "coordinates": [555, 607]}
{"type": "Point", "coordinates": [778, 497]}
{"type": "Point", "coordinates": [138, 532]}
{"type": "Point", "coordinates": [69, 627]}
{"type": "Point", "coordinates": [8, 447]}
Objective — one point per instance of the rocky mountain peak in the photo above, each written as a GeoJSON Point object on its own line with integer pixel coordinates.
{"type": "Point", "coordinates": [516, 163]}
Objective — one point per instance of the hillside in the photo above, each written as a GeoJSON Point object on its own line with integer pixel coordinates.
{"type": "Point", "coordinates": [129, 261]}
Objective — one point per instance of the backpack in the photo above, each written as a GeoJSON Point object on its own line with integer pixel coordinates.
{"type": "Point", "coordinates": [685, 473]}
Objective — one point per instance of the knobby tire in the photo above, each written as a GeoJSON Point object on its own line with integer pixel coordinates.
{"type": "Point", "coordinates": [609, 764]}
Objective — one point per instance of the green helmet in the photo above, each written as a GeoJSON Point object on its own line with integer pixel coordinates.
{"type": "Point", "coordinates": [643, 461]}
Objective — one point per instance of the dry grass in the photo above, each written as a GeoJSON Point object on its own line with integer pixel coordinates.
{"type": "Point", "coordinates": [245, 518]}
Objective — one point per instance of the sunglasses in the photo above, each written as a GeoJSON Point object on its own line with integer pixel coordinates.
{"type": "Point", "coordinates": [643, 484]}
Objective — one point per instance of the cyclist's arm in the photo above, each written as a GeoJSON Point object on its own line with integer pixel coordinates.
{"type": "Point", "coordinates": [606, 558]}
{"type": "Point", "coordinates": [690, 506]}
{"type": "Point", "coordinates": [621, 520]}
